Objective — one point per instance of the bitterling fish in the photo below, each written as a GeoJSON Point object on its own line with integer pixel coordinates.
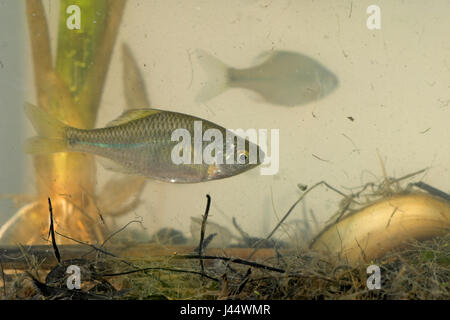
{"type": "Point", "coordinates": [283, 78]}
{"type": "Point", "coordinates": [140, 142]}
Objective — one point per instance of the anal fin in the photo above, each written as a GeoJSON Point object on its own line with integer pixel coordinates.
{"type": "Point", "coordinates": [115, 166]}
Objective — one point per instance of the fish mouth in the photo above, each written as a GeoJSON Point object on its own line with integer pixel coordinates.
{"type": "Point", "coordinates": [334, 81]}
{"type": "Point", "coordinates": [331, 83]}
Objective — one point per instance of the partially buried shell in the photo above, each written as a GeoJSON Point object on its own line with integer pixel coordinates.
{"type": "Point", "coordinates": [385, 225]}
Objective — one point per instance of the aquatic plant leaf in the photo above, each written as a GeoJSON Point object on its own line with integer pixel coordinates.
{"type": "Point", "coordinates": [40, 48]}
{"type": "Point", "coordinates": [87, 38]}
{"type": "Point", "coordinates": [71, 94]}
{"type": "Point", "coordinates": [93, 86]}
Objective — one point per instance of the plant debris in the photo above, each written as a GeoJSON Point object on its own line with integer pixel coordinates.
{"type": "Point", "coordinates": [420, 270]}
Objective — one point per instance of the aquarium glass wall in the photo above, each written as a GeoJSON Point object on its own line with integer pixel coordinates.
{"type": "Point", "coordinates": [345, 92]}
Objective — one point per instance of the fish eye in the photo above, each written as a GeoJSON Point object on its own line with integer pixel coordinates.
{"type": "Point", "coordinates": [243, 157]}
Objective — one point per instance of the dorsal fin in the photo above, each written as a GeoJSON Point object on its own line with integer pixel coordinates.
{"type": "Point", "coordinates": [130, 115]}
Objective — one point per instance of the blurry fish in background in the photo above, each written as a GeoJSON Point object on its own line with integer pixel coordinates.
{"type": "Point", "coordinates": [222, 238]}
{"type": "Point", "coordinates": [140, 142]}
{"type": "Point", "coordinates": [169, 236]}
{"type": "Point", "coordinates": [134, 85]}
{"type": "Point", "coordinates": [283, 78]}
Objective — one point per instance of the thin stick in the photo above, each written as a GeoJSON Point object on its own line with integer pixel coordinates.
{"type": "Point", "coordinates": [387, 182]}
{"type": "Point", "coordinates": [234, 260]}
{"type": "Point", "coordinates": [95, 248]}
{"type": "Point", "coordinates": [393, 212]}
{"type": "Point", "coordinates": [362, 250]}
{"type": "Point", "coordinates": [410, 175]}
{"type": "Point", "coordinates": [52, 232]}
{"type": "Point", "coordinates": [244, 282]}
{"type": "Point", "coordinates": [159, 268]}
{"type": "Point", "coordinates": [336, 190]}
{"type": "Point", "coordinates": [319, 158]}
{"type": "Point", "coordinates": [371, 184]}
{"type": "Point", "coordinates": [288, 276]}
{"type": "Point", "coordinates": [432, 190]}
{"type": "Point", "coordinates": [118, 231]}
{"type": "Point", "coordinates": [3, 277]}
{"type": "Point", "coordinates": [202, 231]}
{"type": "Point", "coordinates": [259, 243]}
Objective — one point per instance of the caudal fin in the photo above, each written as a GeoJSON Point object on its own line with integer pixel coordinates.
{"type": "Point", "coordinates": [51, 132]}
{"type": "Point", "coordinates": [39, 145]}
{"type": "Point", "coordinates": [217, 73]}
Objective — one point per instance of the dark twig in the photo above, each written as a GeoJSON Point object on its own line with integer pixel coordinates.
{"type": "Point", "coordinates": [234, 260]}
{"type": "Point", "coordinates": [159, 268]}
{"type": "Point", "coordinates": [88, 244]}
{"type": "Point", "coordinates": [118, 231]}
{"type": "Point", "coordinates": [202, 231]}
{"type": "Point", "coordinates": [410, 175]}
{"type": "Point", "coordinates": [244, 282]}
{"type": "Point", "coordinates": [392, 215]}
{"type": "Point", "coordinates": [224, 291]}
{"type": "Point", "coordinates": [95, 248]}
{"type": "Point", "coordinates": [362, 250]}
{"type": "Point", "coordinates": [432, 190]}
{"type": "Point", "coordinates": [52, 232]}
{"type": "Point", "coordinates": [3, 277]}
{"type": "Point", "coordinates": [319, 158]}
{"type": "Point", "coordinates": [280, 258]}
{"type": "Point", "coordinates": [261, 242]}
